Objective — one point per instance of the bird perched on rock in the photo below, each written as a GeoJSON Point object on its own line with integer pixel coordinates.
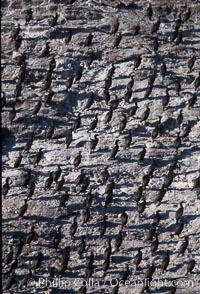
{"type": "Point", "coordinates": [46, 50]}
{"type": "Point", "coordinates": [152, 78]}
{"type": "Point", "coordinates": [109, 198]}
{"type": "Point", "coordinates": [163, 70]}
{"type": "Point", "coordinates": [123, 123]}
{"type": "Point", "coordinates": [69, 82]}
{"type": "Point", "coordinates": [29, 143]}
{"type": "Point", "coordinates": [93, 124]}
{"type": "Point", "coordinates": [37, 261]}
{"type": "Point", "coordinates": [155, 132]}
{"type": "Point", "coordinates": [179, 227]}
{"type": "Point", "coordinates": [186, 15]}
{"type": "Point", "coordinates": [105, 175]}
{"type": "Point", "coordinates": [9, 256]}
{"type": "Point", "coordinates": [135, 30]}
{"type": "Point", "coordinates": [12, 114]}
{"type": "Point", "coordinates": [186, 130]}
{"type": "Point", "coordinates": [190, 266]}
{"type": "Point", "coordinates": [114, 103]}
{"type": "Point", "coordinates": [179, 212]}
{"type": "Point", "coordinates": [31, 189]}
{"type": "Point", "coordinates": [141, 154]}
{"type": "Point", "coordinates": [192, 101]}
{"type": "Point", "coordinates": [29, 16]}
{"type": "Point", "coordinates": [151, 233]}
{"type": "Point", "coordinates": [124, 218]}
{"type": "Point", "coordinates": [78, 74]}
{"type": "Point", "coordinates": [138, 258]}
{"type": "Point", "coordinates": [111, 71]}
{"type": "Point", "coordinates": [48, 98]}
{"type": "Point", "coordinates": [109, 188]}
{"type": "Point", "coordinates": [77, 123]}
{"type": "Point", "coordinates": [84, 185]}
{"type": "Point", "coordinates": [145, 180]}
{"type": "Point", "coordinates": [53, 22]}
{"type": "Point", "coordinates": [117, 40]}
{"type": "Point", "coordinates": [89, 198]}
{"type": "Point", "coordinates": [177, 142]}
{"type": "Point", "coordinates": [26, 178]}
{"type": "Point", "coordinates": [155, 44]}
{"type": "Point", "coordinates": [191, 62]}
{"type": "Point", "coordinates": [149, 12]}
{"type": "Point", "coordinates": [18, 161]}
{"type": "Point", "coordinates": [179, 39]}
{"type": "Point", "coordinates": [180, 118]}
{"type": "Point", "coordinates": [155, 26]}
{"type": "Point", "coordinates": [127, 96]}
{"type": "Point", "coordinates": [3, 99]}
{"type": "Point", "coordinates": [11, 280]}
{"type": "Point", "coordinates": [52, 64]}
{"type": "Point", "coordinates": [23, 209]}
{"type": "Point", "coordinates": [165, 99]}
{"type": "Point", "coordinates": [114, 151]}
{"type": "Point", "coordinates": [108, 83]}
{"type": "Point", "coordinates": [161, 194]}
{"type": "Point", "coordinates": [88, 40]}
{"type": "Point", "coordinates": [154, 245]}
{"type": "Point", "coordinates": [16, 32]}
{"type": "Point", "coordinates": [145, 114]}
{"type": "Point", "coordinates": [197, 82]}
{"type": "Point", "coordinates": [137, 61]}
{"type": "Point", "coordinates": [196, 182]}
{"type": "Point", "coordinates": [73, 227]}
{"type": "Point", "coordinates": [139, 194]}
{"type": "Point", "coordinates": [90, 101]}
{"type": "Point", "coordinates": [59, 185]}
{"type": "Point", "coordinates": [148, 92]}
{"type": "Point", "coordinates": [49, 133]}
{"type": "Point", "coordinates": [77, 160]}
{"type": "Point", "coordinates": [26, 279]}
{"type": "Point", "coordinates": [94, 142]}
{"type": "Point", "coordinates": [63, 199]}
{"type": "Point", "coordinates": [56, 174]}
{"type": "Point", "coordinates": [81, 247]}
{"type": "Point", "coordinates": [30, 236]}
{"type": "Point", "coordinates": [133, 109]}
{"type": "Point", "coordinates": [80, 179]}
{"type": "Point", "coordinates": [165, 262]}
{"type": "Point", "coordinates": [37, 107]}
{"type": "Point", "coordinates": [68, 137]}
{"type": "Point", "coordinates": [183, 246]}
{"type": "Point", "coordinates": [156, 218]}
{"type": "Point", "coordinates": [125, 274]}
{"type": "Point", "coordinates": [19, 246]}
{"type": "Point", "coordinates": [114, 27]}
{"type": "Point", "coordinates": [57, 238]}
{"type": "Point", "coordinates": [130, 84]}
{"type": "Point", "coordinates": [38, 157]}
{"type": "Point", "coordinates": [118, 241]}
{"type": "Point", "coordinates": [128, 140]}
{"type": "Point", "coordinates": [108, 116]}
{"type": "Point", "coordinates": [103, 227]}
{"type": "Point", "coordinates": [141, 206]}
{"type": "Point", "coordinates": [69, 36]}
{"type": "Point", "coordinates": [86, 215]}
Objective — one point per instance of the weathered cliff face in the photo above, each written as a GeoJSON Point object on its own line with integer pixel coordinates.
{"type": "Point", "coordinates": [89, 61]}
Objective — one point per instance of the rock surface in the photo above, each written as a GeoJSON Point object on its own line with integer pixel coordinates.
{"type": "Point", "coordinates": [97, 17]}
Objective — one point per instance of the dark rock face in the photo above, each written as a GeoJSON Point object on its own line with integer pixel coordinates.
{"type": "Point", "coordinates": [56, 55]}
